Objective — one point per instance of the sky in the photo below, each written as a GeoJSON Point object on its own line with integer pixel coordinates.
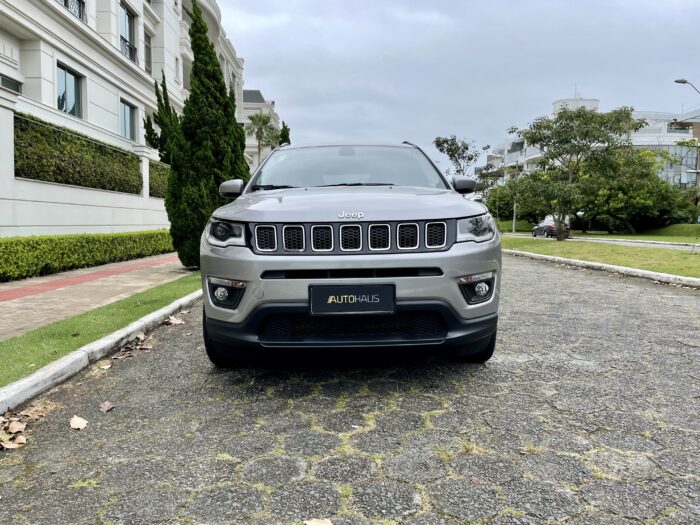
{"type": "Point", "coordinates": [394, 70]}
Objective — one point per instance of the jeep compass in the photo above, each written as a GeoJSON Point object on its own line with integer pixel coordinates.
{"type": "Point", "coordinates": [350, 246]}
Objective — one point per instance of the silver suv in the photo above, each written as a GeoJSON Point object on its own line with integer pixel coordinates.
{"type": "Point", "coordinates": [350, 246]}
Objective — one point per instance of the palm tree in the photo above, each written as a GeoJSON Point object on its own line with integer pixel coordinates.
{"type": "Point", "coordinates": [265, 133]}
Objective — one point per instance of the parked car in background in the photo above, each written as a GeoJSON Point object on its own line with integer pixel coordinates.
{"type": "Point", "coordinates": [548, 228]}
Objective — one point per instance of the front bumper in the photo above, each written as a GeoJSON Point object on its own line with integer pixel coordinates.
{"type": "Point", "coordinates": [434, 295]}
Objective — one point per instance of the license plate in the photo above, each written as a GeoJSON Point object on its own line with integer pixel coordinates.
{"type": "Point", "coordinates": [351, 299]}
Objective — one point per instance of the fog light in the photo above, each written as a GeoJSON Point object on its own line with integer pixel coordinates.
{"type": "Point", "coordinates": [226, 293]}
{"type": "Point", "coordinates": [481, 289]}
{"type": "Point", "coordinates": [221, 294]}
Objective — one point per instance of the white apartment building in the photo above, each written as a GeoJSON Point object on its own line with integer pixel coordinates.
{"type": "Point", "coordinates": [255, 102]}
{"type": "Point", "coordinates": [90, 66]}
{"type": "Point", "coordinates": [662, 132]}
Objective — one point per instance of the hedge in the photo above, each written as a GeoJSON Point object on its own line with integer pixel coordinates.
{"type": "Point", "coordinates": [23, 257]}
{"type": "Point", "coordinates": [158, 179]}
{"type": "Point", "coordinates": [55, 154]}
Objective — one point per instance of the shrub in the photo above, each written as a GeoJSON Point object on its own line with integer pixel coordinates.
{"type": "Point", "coordinates": [23, 257]}
{"type": "Point", "coordinates": [54, 154]}
{"type": "Point", "coordinates": [158, 179]}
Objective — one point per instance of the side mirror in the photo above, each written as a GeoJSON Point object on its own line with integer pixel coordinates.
{"type": "Point", "coordinates": [463, 184]}
{"type": "Point", "coordinates": [231, 189]}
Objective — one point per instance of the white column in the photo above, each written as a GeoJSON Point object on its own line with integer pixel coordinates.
{"type": "Point", "coordinates": [145, 167]}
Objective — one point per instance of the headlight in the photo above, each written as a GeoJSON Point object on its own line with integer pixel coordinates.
{"type": "Point", "coordinates": [220, 233]}
{"type": "Point", "coordinates": [478, 229]}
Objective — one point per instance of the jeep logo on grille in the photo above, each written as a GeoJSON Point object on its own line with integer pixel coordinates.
{"type": "Point", "coordinates": [351, 214]}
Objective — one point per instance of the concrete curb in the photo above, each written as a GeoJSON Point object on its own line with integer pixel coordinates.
{"type": "Point", "coordinates": [623, 270]}
{"type": "Point", "coordinates": [633, 241]}
{"type": "Point", "coordinates": [55, 373]}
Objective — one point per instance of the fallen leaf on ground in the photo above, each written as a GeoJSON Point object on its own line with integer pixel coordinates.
{"type": "Point", "coordinates": [184, 311]}
{"type": "Point", "coordinates": [16, 426]}
{"type": "Point", "coordinates": [106, 367]}
{"type": "Point", "coordinates": [122, 355]}
{"type": "Point", "coordinates": [318, 522]}
{"type": "Point", "coordinates": [106, 407]}
{"type": "Point", "coordinates": [21, 440]}
{"type": "Point", "coordinates": [9, 445]}
{"type": "Point", "coordinates": [78, 423]}
{"type": "Point", "coordinates": [172, 320]}
{"type": "Point", "coordinates": [188, 333]}
{"type": "Point", "coordinates": [140, 336]}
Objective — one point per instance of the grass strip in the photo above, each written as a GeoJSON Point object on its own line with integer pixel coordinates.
{"type": "Point", "coordinates": [24, 354]}
{"type": "Point", "coordinates": [675, 262]}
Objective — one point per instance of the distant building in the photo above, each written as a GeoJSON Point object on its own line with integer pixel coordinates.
{"type": "Point", "coordinates": [255, 102]}
{"type": "Point", "coordinates": [661, 133]}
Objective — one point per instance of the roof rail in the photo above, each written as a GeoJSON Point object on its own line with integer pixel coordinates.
{"type": "Point", "coordinates": [410, 144]}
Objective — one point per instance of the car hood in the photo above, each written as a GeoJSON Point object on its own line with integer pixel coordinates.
{"type": "Point", "coordinates": [379, 203]}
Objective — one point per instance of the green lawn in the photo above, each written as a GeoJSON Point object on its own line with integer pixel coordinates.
{"type": "Point", "coordinates": [687, 233]}
{"type": "Point", "coordinates": [520, 226]}
{"type": "Point", "coordinates": [655, 259]}
{"type": "Point", "coordinates": [27, 353]}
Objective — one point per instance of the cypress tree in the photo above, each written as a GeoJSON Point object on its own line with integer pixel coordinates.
{"type": "Point", "coordinates": [284, 134]}
{"type": "Point", "coordinates": [201, 146]}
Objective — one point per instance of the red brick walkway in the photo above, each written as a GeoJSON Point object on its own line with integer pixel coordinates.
{"type": "Point", "coordinates": [31, 303]}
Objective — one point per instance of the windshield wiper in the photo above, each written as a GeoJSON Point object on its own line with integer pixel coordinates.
{"type": "Point", "coordinates": [359, 184]}
{"type": "Point", "coordinates": [257, 187]}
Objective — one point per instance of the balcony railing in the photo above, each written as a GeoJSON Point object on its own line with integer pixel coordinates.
{"type": "Point", "coordinates": [128, 49]}
{"type": "Point", "coordinates": [76, 8]}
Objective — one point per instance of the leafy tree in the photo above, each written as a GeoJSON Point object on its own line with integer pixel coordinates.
{"type": "Point", "coordinates": [284, 134]}
{"type": "Point", "coordinates": [569, 140]}
{"type": "Point", "coordinates": [461, 153]}
{"type": "Point", "coordinates": [626, 191]}
{"type": "Point", "coordinates": [265, 133]}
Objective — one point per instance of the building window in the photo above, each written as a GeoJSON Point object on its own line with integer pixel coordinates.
{"type": "Point", "coordinates": [68, 91]}
{"type": "Point", "coordinates": [76, 8]}
{"type": "Point", "coordinates": [127, 120]}
{"type": "Point", "coordinates": [177, 69]}
{"type": "Point", "coordinates": [11, 84]}
{"type": "Point", "coordinates": [127, 35]}
{"type": "Point", "coordinates": [147, 53]}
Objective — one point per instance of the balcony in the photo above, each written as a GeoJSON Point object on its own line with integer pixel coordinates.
{"type": "Point", "coordinates": [129, 50]}
{"type": "Point", "coordinates": [76, 8]}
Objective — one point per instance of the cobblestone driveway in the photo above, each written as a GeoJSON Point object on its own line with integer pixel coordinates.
{"type": "Point", "coordinates": [588, 414]}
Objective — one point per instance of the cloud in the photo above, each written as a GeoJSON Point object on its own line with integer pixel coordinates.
{"type": "Point", "coordinates": [361, 70]}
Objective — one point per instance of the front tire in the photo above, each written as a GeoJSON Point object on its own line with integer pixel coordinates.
{"type": "Point", "coordinates": [480, 357]}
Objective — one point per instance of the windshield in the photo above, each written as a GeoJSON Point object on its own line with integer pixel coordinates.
{"type": "Point", "coordinates": [347, 165]}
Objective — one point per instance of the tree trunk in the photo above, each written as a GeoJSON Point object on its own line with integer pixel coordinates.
{"type": "Point", "coordinates": [515, 207]}
{"type": "Point", "coordinates": [629, 227]}
{"type": "Point", "coordinates": [259, 153]}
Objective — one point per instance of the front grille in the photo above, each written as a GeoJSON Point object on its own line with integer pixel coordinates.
{"type": "Point", "coordinates": [407, 236]}
{"type": "Point", "coordinates": [350, 237]}
{"type": "Point", "coordinates": [266, 238]}
{"type": "Point", "coordinates": [379, 237]}
{"type": "Point", "coordinates": [435, 234]}
{"type": "Point", "coordinates": [322, 238]}
{"type": "Point", "coordinates": [352, 273]}
{"type": "Point", "coordinates": [293, 238]}
{"type": "Point", "coordinates": [296, 328]}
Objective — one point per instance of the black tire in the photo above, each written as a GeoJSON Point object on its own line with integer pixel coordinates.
{"type": "Point", "coordinates": [214, 350]}
{"type": "Point", "coordinates": [534, 233]}
{"type": "Point", "coordinates": [483, 355]}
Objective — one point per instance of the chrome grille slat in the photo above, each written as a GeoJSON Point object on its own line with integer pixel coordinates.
{"type": "Point", "coordinates": [407, 236]}
{"type": "Point", "coordinates": [351, 237]}
{"type": "Point", "coordinates": [293, 238]}
{"type": "Point", "coordinates": [379, 237]}
{"type": "Point", "coordinates": [435, 234]}
{"type": "Point", "coordinates": [266, 238]}
{"type": "Point", "coordinates": [322, 238]}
